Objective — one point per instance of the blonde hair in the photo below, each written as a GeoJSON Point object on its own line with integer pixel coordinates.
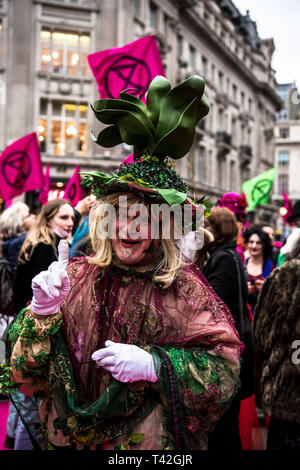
{"type": "Point", "coordinates": [12, 220]}
{"type": "Point", "coordinates": [41, 232]}
{"type": "Point", "coordinates": [166, 270]}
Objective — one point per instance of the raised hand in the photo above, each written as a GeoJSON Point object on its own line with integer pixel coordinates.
{"type": "Point", "coordinates": [51, 287]}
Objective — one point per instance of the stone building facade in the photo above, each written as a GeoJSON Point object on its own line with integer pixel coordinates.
{"type": "Point", "coordinates": [287, 150]}
{"type": "Point", "coordinates": [46, 84]}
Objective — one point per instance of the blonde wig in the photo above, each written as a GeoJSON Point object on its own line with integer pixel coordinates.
{"type": "Point", "coordinates": [171, 256]}
{"type": "Point", "coordinates": [41, 232]}
{"type": "Point", "coordinates": [12, 220]}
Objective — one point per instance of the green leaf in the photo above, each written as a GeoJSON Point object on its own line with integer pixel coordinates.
{"type": "Point", "coordinates": [181, 109]}
{"type": "Point", "coordinates": [134, 100]}
{"type": "Point", "coordinates": [136, 437]}
{"type": "Point", "coordinates": [96, 175]}
{"type": "Point", "coordinates": [134, 131]}
{"type": "Point", "coordinates": [105, 110]}
{"type": "Point", "coordinates": [158, 88]}
{"type": "Point", "coordinates": [108, 137]}
{"type": "Point", "coordinates": [171, 196]}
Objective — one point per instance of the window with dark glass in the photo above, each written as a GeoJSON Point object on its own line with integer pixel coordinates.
{"type": "Point", "coordinates": [283, 183]}
{"type": "Point", "coordinates": [284, 132]}
{"type": "Point", "coordinates": [283, 158]}
{"type": "Point", "coordinates": [153, 15]}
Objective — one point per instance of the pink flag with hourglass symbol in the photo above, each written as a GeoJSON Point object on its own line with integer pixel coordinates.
{"type": "Point", "coordinates": [21, 167]}
{"type": "Point", "coordinates": [288, 206]}
{"type": "Point", "coordinates": [130, 67]}
{"type": "Point", "coordinates": [43, 196]}
{"type": "Point", "coordinates": [74, 192]}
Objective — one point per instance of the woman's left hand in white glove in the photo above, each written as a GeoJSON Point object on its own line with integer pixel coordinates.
{"type": "Point", "coordinates": [126, 362]}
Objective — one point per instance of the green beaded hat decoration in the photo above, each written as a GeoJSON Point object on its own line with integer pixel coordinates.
{"type": "Point", "coordinates": [160, 131]}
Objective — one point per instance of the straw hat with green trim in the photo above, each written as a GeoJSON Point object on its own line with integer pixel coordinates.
{"type": "Point", "coordinates": [160, 131]}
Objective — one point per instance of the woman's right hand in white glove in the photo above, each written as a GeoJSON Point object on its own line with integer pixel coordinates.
{"type": "Point", "coordinates": [51, 287]}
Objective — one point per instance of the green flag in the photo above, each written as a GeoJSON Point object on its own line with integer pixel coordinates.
{"type": "Point", "coordinates": [257, 190]}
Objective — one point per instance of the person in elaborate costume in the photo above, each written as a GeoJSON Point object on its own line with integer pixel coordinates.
{"type": "Point", "coordinates": [130, 347]}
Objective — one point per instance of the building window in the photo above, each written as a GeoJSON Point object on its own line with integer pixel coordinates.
{"type": "Point", "coordinates": [233, 130]}
{"type": "Point", "coordinates": [284, 132]}
{"type": "Point", "coordinates": [72, 2]}
{"type": "Point", "coordinates": [179, 46]}
{"type": "Point", "coordinates": [62, 127]}
{"type": "Point", "coordinates": [220, 120]}
{"type": "Point", "coordinates": [0, 41]}
{"type": "Point", "coordinates": [201, 164]}
{"type": "Point", "coordinates": [220, 81]}
{"type": "Point", "coordinates": [137, 8]}
{"type": "Point", "coordinates": [234, 92]}
{"type": "Point", "coordinates": [250, 105]}
{"type": "Point", "coordinates": [192, 54]}
{"type": "Point", "coordinates": [64, 52]}
{"type": "Point", "coordinates": [204, 66]}
{"type": "Point", "coordinates": [283, 159]}
{"type": "Point", "coordinates": [152, 16]}
{"type": "Point", "coordinates": [242, 99]}
{"type": "Point", "coordinates": [213, 70]}
{"type": "Point", "coordinates": [283, 183]}
{"type": "Point", "coordinates": [232, 181]}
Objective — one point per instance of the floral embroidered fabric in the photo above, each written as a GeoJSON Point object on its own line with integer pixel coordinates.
{"type": "Point", "coordinates": [188, 330]}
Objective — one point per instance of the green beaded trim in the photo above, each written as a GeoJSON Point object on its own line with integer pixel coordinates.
{"type": "Point", "coordinates": [24, 328]}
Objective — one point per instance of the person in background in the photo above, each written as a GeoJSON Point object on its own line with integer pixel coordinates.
{"type": "Point", "coordinates": [276, 334]}
{"type": "Point", "coordinates": [81, 211]}
{"type": "Point", "coordinates": [258, 264]}
{"type": "Point", "coordinates": [225, 272]}
{"type": "Point", "coordinates": [275, 250]}
{"type": "Point", "coordinates": [53, 223]}
{"type": "Point", "coordinates": [237, 203]}
{"type": "Point", "coordinates": [294, 237]}
{"type": "Point", "coordinates": [14, 225]}
{"type": "Point", "coordinates": [81, 242]}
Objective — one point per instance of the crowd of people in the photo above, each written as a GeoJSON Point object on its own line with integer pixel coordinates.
{"type": "Point", "coordinates": [248, 283]}
{"type": "Point", "coordinates": [123, 337]}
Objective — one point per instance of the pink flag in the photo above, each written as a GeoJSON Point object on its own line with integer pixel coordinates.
{"type": "Point", "coordinates": [43, 196]}
{"type": "Point", "coordinates": [288, 206]}
{"type": "Point", "coordinates": [132, 66]}
{"type": "Point", "coordinates": [74, 192]}
{"type": "Point", "coordinates": [128, 159]}
{"type": "Point", "coordinates": [8, 203]}
{"type": "Point", "coordinates": [21, 167]}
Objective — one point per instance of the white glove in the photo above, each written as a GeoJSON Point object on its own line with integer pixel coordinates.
{"type": "Point", "coordinates": [126, 362]}
{"type": "Point", "coordinates": [51, 287]}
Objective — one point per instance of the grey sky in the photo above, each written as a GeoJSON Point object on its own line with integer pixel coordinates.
{"type": "Point", "coordinates": [279, 19]}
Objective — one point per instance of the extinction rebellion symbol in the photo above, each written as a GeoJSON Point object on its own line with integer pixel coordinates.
{"type": "Point", "coordinates": [261, 189]}
{"type": "Point", "coordinates": [128, 68]}
{"type": "Point", "coordinates": [71, 193]}
{"type": "Point", "coordinates": [16, 169]}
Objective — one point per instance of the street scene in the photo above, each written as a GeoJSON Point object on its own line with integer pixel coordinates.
{"type": "Point", "coordinates": [149, 227]}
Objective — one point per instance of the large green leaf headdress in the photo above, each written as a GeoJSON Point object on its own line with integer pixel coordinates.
{"type": "Point", "coordinates": [160, 130]}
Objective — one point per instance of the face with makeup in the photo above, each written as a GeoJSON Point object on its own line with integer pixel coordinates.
{"type": "Point", "coordinates": [132, 243]}
{"type": "Point", "coordinates": [63, 221]}
{"type": "Point", "coordinates": [255, 246]}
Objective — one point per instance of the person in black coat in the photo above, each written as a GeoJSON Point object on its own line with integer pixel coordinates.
{"type": "Point", "coordinates": [55, 222]}
{"type": "Point", "coordinates": [225, 272]}
{"type": "Point", "coordinates": [14, 225]}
